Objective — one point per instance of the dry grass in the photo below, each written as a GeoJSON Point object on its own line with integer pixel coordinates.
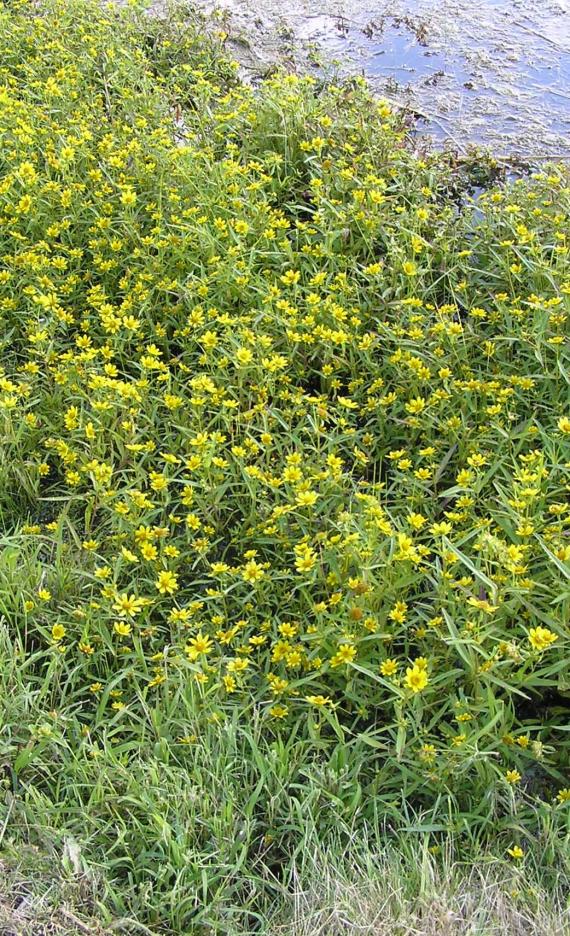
{"type": "Point", "coordinates": [379, 900]}
{"type": "Point", "coordinates": [36, 899]}
{"type": "Point", "coordinates": [376, 895]}
{"type": "Point", "coordinates": [48, 894]}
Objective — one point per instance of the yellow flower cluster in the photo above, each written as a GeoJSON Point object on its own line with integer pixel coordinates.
{"type": "Point", "coordinates": [296, 427]}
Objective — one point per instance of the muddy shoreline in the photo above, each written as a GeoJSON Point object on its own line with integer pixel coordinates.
{"type": "Point", "coordinates": [492, 73]}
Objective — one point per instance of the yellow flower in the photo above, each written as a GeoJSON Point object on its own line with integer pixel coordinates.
{"type": "Point", "coordinates": [398, 612]}
{"type": "Point", "coordinates": [512, 776]}
{"type": "Point", "coordinates": [252, 572]}
{"type": "Point", "coordinates": [167, 582]}
{"type": "Point", "coordinates": [318, 700]}
{"type": "Point", "coordinates": [122, 628]}
{"type": "Point", "coordinates": [482, 604]}
{"type": "Point", "coordinates": [128, 605]}
{"type": "Point", "coordinates": [128, 198]}
{"type": "Point", "coordinates": [200, 645]}
{"type": "Point", "coordinates": [563, 796]}
{"type": "Point", "coordinates": [278, 711]}
{"type": "Point", "coordinates": [218, 568]}
{"type": "Point", "coordinates": [541, 637]}
{"type": "Point", "coordinates": [345, 654]}
{"type": "Point", "coordinates": [24, 204]}
{"type": "Point", "coordinates": [58, 632]}
{"type": "Point", "coordinates": [416, 406]}
{"type": "Point", "coordinates": [564, 424]}
{"type": "Point", "coordinates": [416, 520]}
{"type": "Point", "coordinates": [409, 268]}
{"type": "Point", "coordinates": [149, 551]}
{"type": "Point", "coordinates": [127, 555]}
{"type": "Point", "coordinates": [287, 629]}
{"type": "Point", "coordinates": [290, 277]}
{"type": "Point", "coordinates": [306, 498]}
{"type": "Point", "coordinates": [515, 852]}
{"type": "Point", "coordinates": [305, 560]}
{"type": "Point", "coordinates": [416, 678]}
{"type": "Point", "coordinates": [389, 667]}
{"type": "Point", "coordinates": [244, 356]}
{"type": "Point", "coordinates": [406, 549]}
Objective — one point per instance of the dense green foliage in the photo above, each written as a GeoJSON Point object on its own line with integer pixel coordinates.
{"type": "Point", "coordinates": [285, 470]}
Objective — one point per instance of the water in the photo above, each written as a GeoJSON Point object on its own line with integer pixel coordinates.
{"type": "Point", "coordinates": [491, 72]}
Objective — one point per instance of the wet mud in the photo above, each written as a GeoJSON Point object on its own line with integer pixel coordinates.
{"type": "Point", "coordinates": [493, 73]}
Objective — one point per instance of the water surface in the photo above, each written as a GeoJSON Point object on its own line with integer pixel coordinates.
{"type": "Point", "coordinates": [492, 72]}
